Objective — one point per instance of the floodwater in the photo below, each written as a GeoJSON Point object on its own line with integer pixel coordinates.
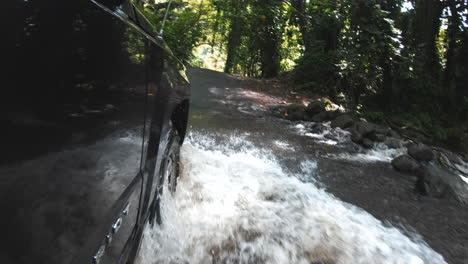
{"type": "Point", "coordinates": [257, 189]}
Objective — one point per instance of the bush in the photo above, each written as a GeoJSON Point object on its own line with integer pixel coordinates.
{"type": "Point", "coordinates": [377, 117]}
{"type": "Point", "coordinates": [317, 72]}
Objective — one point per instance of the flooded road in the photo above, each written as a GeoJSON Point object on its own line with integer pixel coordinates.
{"type": "Point", "coordinates": [258, 189]}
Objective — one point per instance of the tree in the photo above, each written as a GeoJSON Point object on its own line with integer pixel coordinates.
{"type": "Point", "coordinates": [235, 33]}
{"type": "Point", "coordinates": [270, 36]}
{"type": "Point", "coordinates": [427, 65]}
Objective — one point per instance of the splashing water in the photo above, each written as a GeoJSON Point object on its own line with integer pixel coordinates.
{"type": "Point", "coordinates": [237, 205]}
{"type": "Point", "coordinates": [379, 153]}
{"type": "Point", "coordinates": [336, 136]}
{"type": "Point", "coordinates": [330, 136]}
{"type": "Point", "coordinates": [463, 167]}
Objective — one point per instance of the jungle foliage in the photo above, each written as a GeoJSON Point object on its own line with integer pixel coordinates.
{"type": "Point", "coordinates": [398, 61]}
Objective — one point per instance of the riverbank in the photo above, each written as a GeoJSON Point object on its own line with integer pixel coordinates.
{"type": "Point", "coordinates": [416, 126]}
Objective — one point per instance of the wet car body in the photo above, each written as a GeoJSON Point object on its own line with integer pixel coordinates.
{"type": "Point", "coordinates": [89, 97]}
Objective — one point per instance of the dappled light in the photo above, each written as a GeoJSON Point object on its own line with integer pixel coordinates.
{"type": "Point", "coordinates": [234, 132]}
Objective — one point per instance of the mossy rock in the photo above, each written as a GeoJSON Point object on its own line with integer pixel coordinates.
{"type": "Point", "coordinates": [315, 107]}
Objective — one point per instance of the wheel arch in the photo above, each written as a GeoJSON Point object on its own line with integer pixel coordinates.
{"type": "Point", "coordinates": [179, 118]}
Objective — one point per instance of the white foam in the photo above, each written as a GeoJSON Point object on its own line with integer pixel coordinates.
{"type": "Point", "coordinates": [328, 142]}
{"type": "Point", "coordinates": [241, 207]}
{"type": "Point", "coordinates": [465, 179]}
{"type": "Point", "coordinates": [380, 153]}
{"type": "Point", "coordinates": [463, 167]}
{"type": "Point", "coordinates": [338, 135]}
{"type": "Point", "coordinates": [283, 145]}
{"type": "Point", "coordinates": [299, 126]}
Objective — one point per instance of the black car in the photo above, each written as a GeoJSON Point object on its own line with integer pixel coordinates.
{"type": "Point", "coordinates": [93, 109]}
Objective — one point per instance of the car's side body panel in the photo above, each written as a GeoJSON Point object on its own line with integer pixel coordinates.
{"type": "Point", "coordinates": [81, 108]}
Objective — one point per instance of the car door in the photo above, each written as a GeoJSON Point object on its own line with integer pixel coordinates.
{"type": "Point", "coordinates": [167, 97]}
{"type": "Point", "coordinates": [73, 112]}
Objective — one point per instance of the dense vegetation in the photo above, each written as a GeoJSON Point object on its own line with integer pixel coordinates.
{"type": "Point", "coordinates": [395, 61]}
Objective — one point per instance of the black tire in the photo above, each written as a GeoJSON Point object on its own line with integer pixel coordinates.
{"type": "Point", "coordinates": [166, 182]}
{"type": "Point", "coordinates": [168, 175]}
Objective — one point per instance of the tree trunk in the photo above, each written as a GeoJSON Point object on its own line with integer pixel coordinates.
{"type": "Point", "coordinates": [234, 38]}
{"type": "Point", "coordinates": [301, 20]}
{"type": "Point", "coordinates": [453, 33]}
{"type": "Point", "coordinates": [215, 26]}
{"type": "Point", "coordinates": [428, 13]}
{"type": "Point", "coordinates": [270, 37]}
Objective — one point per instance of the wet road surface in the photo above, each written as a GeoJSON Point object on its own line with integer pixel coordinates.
{"type": "Point", "coordinates": [258, 189]}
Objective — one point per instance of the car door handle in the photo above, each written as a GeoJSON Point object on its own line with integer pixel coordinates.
{"type": "Point", "coordinates": [99, 254]}
{"type": "Point", "coordinates": [116, 226]}
{"type": "Point", "coordinates": [108, 240]}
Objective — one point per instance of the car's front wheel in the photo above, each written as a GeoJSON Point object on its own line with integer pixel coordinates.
{"type": "Point", "coordinates": [168, 177]}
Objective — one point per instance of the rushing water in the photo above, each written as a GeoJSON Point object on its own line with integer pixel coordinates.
{"type": "Point", "coordinates": [235, 203]}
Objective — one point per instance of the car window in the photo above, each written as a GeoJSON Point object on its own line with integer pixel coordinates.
{"type": "Point", "coordinates": [152, 13]}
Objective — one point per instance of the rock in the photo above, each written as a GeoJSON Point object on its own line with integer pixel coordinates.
{"type": "Point", "coordinates": [308, 117]}
{"type": "Point", "coordinates": [325, 116]}
{"type": "Point", "coordinates": [452, 157]}
{"type": "Point", "coordinates": [333, 114]}
{"type": "Point", "coordinates": [382, 130]}
{"type": "Point", "coordinates": [342, 121]}
{"type": "Point", "coordinates": [320, 117]}
{"type": "Point", "coordinates": [295, 112]}
{"type": "Point", "coordinates": [278, 110]}
{"type": "Point", "coordinates": [356, 137]}
{"type": "Point", "coordinates": [421, 152]}
{"type": "Point", "coordinates": [331, 136]}
{"type": "Point", "coordinates": [295, 116]}
{"type": "Point", "coordinates": [441, 183]}
{"type": "Point", "coordinates": [367, 143]}
{"type": "Point", "coordinates": [393, 134]}
{"type": "Point", "coordinates": [377, 137]}
{"type": "Point", "coordinates": [314, 108]}
{"type": "Point", "coordinates": [364, 128]}
{"type": "Point", "coordinates": [405, 163]}
{"type": "Point", "coordinates": [318, 128]}
{"type": "Point", "coordinates": [393, 143]}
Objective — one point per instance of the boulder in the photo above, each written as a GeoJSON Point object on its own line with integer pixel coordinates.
{"type": "Point", "coordinates": [377, 137]}
{"type": "Point", "coordinates": [382, 130]}
{"type": "Point", "coordinates": [318, 128]}
{"type": "Point", "coordinates": [356, 137]}
{"type": "Point", "coordinates": [278, 110]}
{"type": "Point", "coordinates": [438, 182]}
{"type": "Point", "coordinates": [320, 117]}
{"type": "Point", "coordinates": [342, 121]}
{"type": "Point", "coordinates": [314, 108]}
{"type": "Point", "coordinates": [421, 152]}
{"type": "Point", "coordinates": [452, 157]}
{"type": "Point", "coordinates": [295, 112]}
{"type": "Point", "coordinates": [364, 128]}
{"type": "Point", "coordinates": [333, 114]}
{"type": "Point", "coordinates": [393, 134]}
{"type": "Point", "coordinates": [405, 163]}
{"type": "Point", "coordinates": [393, 143]}
{"type": "Point", "coordinates": [367, 143]}
{"type": "Point", "coordinates": [308, 117]}
{"type": "Point", "coordinates": [325, 116]}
